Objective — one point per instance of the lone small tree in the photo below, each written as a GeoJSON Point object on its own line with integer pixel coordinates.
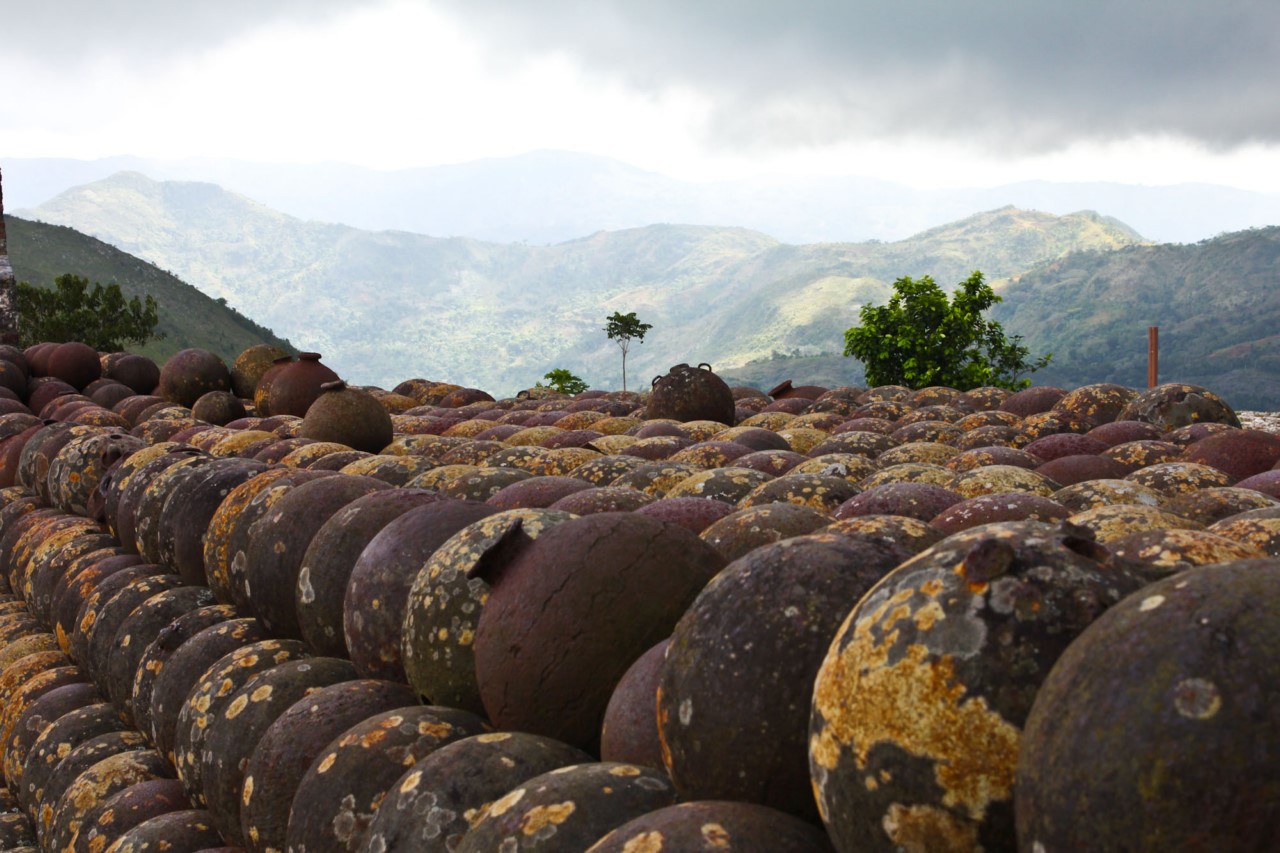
{"type": "Point", "coordinates": [622, 328]}
{"type": "Point", "coordinates": [563, 381]}
{"type": "Point", "coordinates": [922, 338]}
{"type": "Point", "coordinates": [100, 317]}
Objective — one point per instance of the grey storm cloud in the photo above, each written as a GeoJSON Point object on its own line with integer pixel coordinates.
{"type": "Point", "coordinates": [1013, 75]}
{"type": "Point", "coordinates": [1018, 75]}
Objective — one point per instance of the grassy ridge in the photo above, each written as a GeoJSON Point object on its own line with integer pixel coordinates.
{"type": "Point", "coordinates": [188, 318]}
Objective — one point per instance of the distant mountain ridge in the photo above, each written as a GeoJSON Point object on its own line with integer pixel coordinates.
{"type": "Point", "coordinates": [384, 306]}
{"type": "Point", "coordinates": [551, 196]}
{"type": "Point", "coordinates": [1216, 304]}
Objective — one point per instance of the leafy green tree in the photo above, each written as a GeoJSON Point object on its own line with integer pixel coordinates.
{"type": "Point", "coordinates": [622, 328]}
{"type": "Point", "coordinates": [563, 381]}
{"type": "Point", "coordinates": [922, 338]}
{"type": "Point", "coordinates": [70, 311]}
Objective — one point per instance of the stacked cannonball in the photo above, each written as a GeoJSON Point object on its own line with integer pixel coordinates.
{"type": "Point", "coordinates": [254, 607]}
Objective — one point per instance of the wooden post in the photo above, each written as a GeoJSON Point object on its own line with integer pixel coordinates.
{"type": "Point", "coordinates": [1153, 356]}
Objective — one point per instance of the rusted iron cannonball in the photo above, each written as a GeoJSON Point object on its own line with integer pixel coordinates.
{"type": "Point", "coordinates": [919, 704]}
{"type": "Point", "coordinates": [715, 825]}
{"type": "Point", "coordinates": [347, 416]}
{"type": "Point", "coordinates": [191, 373]}
{"type": "Point", "coordinates": [429, 808]}
{"type": "Point", "coordinates": [1155, 722]}
{"type": "Point", "coordinates": [1176, 404]}
{"type": "Point", "coordinates": [571, 611]}
{"type": "Point", "coordinates": [444, 604]}
{"type": "Point", "coordinates": [345, 784]}
{"type": "Point", "coordinates": [568, 809]}
{"type": "Point", "coordinates": [734, 692]}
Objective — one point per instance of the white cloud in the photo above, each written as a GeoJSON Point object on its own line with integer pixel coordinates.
{"type": "Point", "coordinates": [695, 92]}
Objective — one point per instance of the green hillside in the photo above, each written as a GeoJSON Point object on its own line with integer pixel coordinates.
{"type": "Point", "coordinates": [188, 318]}
{"type": "Point", "coordinates": [1217, 304]}
{"type": "Point", "coordinates": [384, 306]}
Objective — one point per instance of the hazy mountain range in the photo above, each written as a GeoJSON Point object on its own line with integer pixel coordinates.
{"type": "Point", "coordinates": [384, 306]}
{"type": "Point", "coordinates": [552, 196]}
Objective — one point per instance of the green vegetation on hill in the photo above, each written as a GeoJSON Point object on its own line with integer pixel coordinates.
{"type": "Point", "coordinates": [187, 318]}
{"type": "Point", "coordinates": [1217, 304]}
{"type": "Point", "coordinates": [384, 306]}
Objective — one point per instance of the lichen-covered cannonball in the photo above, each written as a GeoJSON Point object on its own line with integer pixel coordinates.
{"type": "Point", "coordinates": [1096, 404]}
{"type": "Point", "coordinates": [573, 609]}
{"type": "Point", "coordinates": [343, 788]}
{"type": "Point", "coordinates": [191, 373]}
{"type": "Point", "coordinates": [1151, 731]}
{"type": "Point", "coordinates": [445, 601]}
{"type": "Point", "coordinates": [734, 692]}
{"type": "Point", "coordinates": [1177, 404]}
{"type": "Point", "coordinates": [986, 509]}
{"type": "Point", "coordinates": [919, 705]}
{"type": "Point", "coordinates": [910, 533]}
{"type": "Point", "coordinates": [217, 407]}
{"type": "Point", "coordinates": [567, 809]}
{"type": "Point", "coordinates": [431, 806]}
{"type": "Point", "coordinates": [719, 825]}
{"type": "Point", "coordinates": [249, 367]}
{"type": "Point", "coordinates": [1156, 554]}
{"type": "Point", "coordinates": [746, 529]}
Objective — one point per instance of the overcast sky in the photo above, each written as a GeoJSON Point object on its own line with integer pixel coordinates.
{"type": "Point", "coordinates": [939, 93]}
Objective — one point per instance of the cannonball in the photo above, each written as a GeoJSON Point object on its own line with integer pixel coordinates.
{"type": "Point", "coordinates": [572, 610]}
{"type": "Point", "coordinates": [427, 808]}
{"type": "Point", "coordinates": [687, 393]}
{"type": "Point", "coordinates": [75, 363]}
{"type": "Point", "coordinates": [1240, 453]}
{"type": "Point", "coordinates": [910, 533]}
{"type": "Point", "coordinates": [1033, 400]}
{"type": "Point", "coordinates": [567, 809]}
{"type": "Point", "coordinates": [1177, 404]}
{"type": "Point", "coordinates": [249, 367]}
{"type": "Point", "coordinates": [715, 825]}
{"type": "Point", "coordinates": [919, 705]}
{"type": "Point", "coordinates": [1153, 722]}
{"type": "Point", "coordinates": [1096, 404]}
{"type": "Point", "coordinates": [348, 416]}
{"type": "Point", "coordinates": [191, 373]}
{"type": "Point", "coordinates": [693, 514]}
{"type": "Point", "coordinates": [749, 528]}
{"type": "Point", "coordinates": [735, 687]}
{"type": "Point", "coordinates": [217, 407]}
{"type": "Point", "coordinates": [986, 509]}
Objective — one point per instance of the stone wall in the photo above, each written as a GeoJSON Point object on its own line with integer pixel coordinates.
{"type": "Point", "coordinates": [8, 287]}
